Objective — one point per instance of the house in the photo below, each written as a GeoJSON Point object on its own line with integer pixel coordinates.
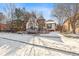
{"type": "Point", "coordinates": [35, 23]}
{"type": "Point", "coordinates": [68, 28]}
{"type": "Point", "coordinates": [32, 23]}
{"type": "Point", "coordinates": [3, 27]}
{"type": "Point", "coordinates": [50, 25]}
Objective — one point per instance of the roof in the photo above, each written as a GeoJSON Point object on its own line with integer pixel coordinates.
{"type": "Point", "coordinates": [50, 21]}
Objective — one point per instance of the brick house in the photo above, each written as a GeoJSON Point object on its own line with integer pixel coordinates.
{"type": "Point", "coordinates": [3, 27]}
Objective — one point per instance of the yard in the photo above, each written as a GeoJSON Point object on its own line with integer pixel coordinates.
{"type": "Point", "coordinates": [30, 44]}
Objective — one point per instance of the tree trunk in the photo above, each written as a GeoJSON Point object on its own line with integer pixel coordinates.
{"type": "Point", "coordinates": [74, 28]}
{"type": "Point", "coordinates": [60, 28]}
{"type": "Point", "coordinates": [73, 22]}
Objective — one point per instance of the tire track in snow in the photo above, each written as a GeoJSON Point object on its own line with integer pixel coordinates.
{"type": "Point", "coordinates": [45, 47]}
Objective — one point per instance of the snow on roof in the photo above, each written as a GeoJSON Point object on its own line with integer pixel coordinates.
{"type": "Point", "coordinates": [50, 21]}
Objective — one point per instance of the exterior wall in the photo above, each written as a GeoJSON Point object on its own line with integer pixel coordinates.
{"type": "Point", "coordinates": [3, 26]}
{"type": "Point", "coordinates": [77, 26]}
{"type": "Point", "coordinates": [77, 30]}
{"type": "Point", "coordinates": [52, 26]}
{"type": "Point", "coordinates": [67, 27]}
{"type": "Point", "coordinates": [31, 23]}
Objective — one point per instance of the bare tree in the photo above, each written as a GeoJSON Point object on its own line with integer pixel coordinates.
{"type": "Point", "coordinates": [41, 22]}
{"type": "Point", "coordinates": [64, 11]}
{"type": "Point", "coordinates": [75, 10]}
{"type": "Point", "coordinates": [9, 11]}
{"type": "Point", "coordinates": [71, 12]}
{"type": "Point", "coordinates": [2, 16]}
{"type": "Point", "coordinates": [60, 14]}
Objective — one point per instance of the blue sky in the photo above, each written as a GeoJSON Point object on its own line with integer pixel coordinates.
{"type": "Point", "coordinates": [44, 8]}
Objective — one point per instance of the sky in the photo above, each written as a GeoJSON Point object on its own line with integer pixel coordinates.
{"type": "Point", "coordinates": [44, 8]}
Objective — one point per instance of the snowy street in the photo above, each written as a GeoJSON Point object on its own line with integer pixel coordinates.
{"type": "Point", "coordinates": [23, 44]}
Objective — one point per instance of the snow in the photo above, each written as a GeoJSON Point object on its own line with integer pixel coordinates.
{"type": "Point", "coordinates": [51, 34]}
{"type": "Point", "coordinates": [70, 41]}
{"type": "Point", "coordinates": [12, 48]}
{"type": "Point", "coordinates": [21, 37]}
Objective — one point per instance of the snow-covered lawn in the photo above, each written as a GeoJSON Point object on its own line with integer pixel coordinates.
{"type": "Point", "coordinates": [21, 37]}
{"type": "Point", "coordinates": [70, 41]}
{"type": "Point", "coordinates": [13, 48]}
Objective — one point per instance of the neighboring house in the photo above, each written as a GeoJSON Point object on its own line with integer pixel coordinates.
{"type": "Point", "coordinates": [37, 23]}
{"type": "Point", "coordinates": [68, 28]}
{"type": "Point", "coordinates": [77, 26]}
{"type": "Point", "coordinates": [32, 23]}
{"type": "Point", "coordinates": [3, 27]}
{"type": "Point", "coordinates": [50, 25]}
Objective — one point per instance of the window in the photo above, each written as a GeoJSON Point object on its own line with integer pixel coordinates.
{"type": "Point", "coordinates": [49, 26]}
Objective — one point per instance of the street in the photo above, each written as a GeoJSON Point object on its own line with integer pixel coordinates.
{"type": "Point", "coordinates": [31, 45]}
